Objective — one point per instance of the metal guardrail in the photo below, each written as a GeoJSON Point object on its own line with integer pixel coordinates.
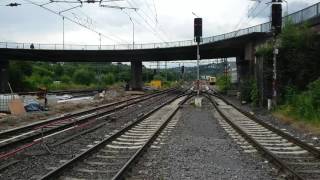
{"type": "Point", "coordinates": [297, 17]}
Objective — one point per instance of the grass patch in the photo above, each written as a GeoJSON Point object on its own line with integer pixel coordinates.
{"type": "Point", "coordinates": [297, 123]}
{"type": "Point", "coordinates": [302, 108]}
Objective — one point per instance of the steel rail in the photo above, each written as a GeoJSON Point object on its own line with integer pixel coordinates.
{"type": "Point", "coordinates": [60, 92]}
{"type": "Point", "coordinates": [58, 171]}
{"type": "Point", "coordinates": [79, 113]}
{"type": "Point", "coordinates": [304, 145]}
{"type": "Point", "coordinates": [121, 174]}
{"type": "Point", "coordinates": [264, 152]}
{"type": "Point", "coordinates": [30, 139]}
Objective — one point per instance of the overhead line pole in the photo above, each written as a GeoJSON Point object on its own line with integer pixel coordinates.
{"type": "Point", "coordinates": [63, 32]}
{"type": "Point", "coordinates": [132, 33]}
{"type": "Point", "coordinates": [100, 41]}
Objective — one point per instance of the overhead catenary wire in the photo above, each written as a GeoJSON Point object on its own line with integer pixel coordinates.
{"type": "Point", "coordinates": [149, 27]}
{"type": "Point", "coordinates": [238, 26]}
{"type": "Point", "coordinates": [252, 16]}
{"type": "Point", "coordinates": [92, 23]}
{"type": "Point", "coordinates": [69, 19]}
{"type": "Point", "coordinates": [155, 10]}
{"type": "Point", "coordinates": [164, 38]}
{"type": "Point", "coordinates": [95, 24]}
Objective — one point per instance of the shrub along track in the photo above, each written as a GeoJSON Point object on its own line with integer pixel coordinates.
{"type": "Point", "coordinates": [293, 157]}
{"type": "Point", "coordinates": [116, 116]}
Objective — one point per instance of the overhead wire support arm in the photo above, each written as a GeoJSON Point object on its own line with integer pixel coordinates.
{"type": "Point", "coordinates": [71, 20]}
{"type": "Point", "coordinates": [118, 7]}
{"type": "Point", "coordinates": [13, 4]}
{"type": "Point", "coordinates": [101, 1]}
{"type": "Point", "coordinates": [70, 8]}
{"type": "Point", "coordinates": [66, 1]}
{"type": "Point", "coordinates": [82, 1]}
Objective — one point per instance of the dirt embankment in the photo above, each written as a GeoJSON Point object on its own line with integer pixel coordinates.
{"type": "Point", "coordinates": [110, 95]}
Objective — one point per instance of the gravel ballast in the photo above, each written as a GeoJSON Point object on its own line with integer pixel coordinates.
{"type": "Point", "coordinates": [265, 115]}
{"type": "Point", "coordinates": [198, 148]}
{"type": "Point", "coordinates": [37, 161]}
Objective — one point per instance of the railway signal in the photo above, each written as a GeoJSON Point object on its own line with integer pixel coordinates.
{"type": "Point", "coordinates": [198, 39]}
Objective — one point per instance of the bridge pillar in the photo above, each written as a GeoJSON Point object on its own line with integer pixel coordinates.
{"type": "Point", "coordinates": [249, 55]}
{"type": "Point", "coordinates": [4, 75]}
{"type": "Point", "coordinates": [243, 69]}
{"type": "Point", "coordinates": [136, 75]}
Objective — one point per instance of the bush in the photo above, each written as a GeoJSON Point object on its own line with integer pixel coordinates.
{"type": "Point", "coordinates": [265, 50]}
{"type": "Point", "coordinates": [83, 76]}
{"type": "Point", "coordinates": [46, 81]}
{"type": "Point", "coordinates": [224, 83]}
{"type": "Point", "coordinates": [65, 79]}
{"type": "Point", "coordinates": [254, 93]}
{"type": "Point", "coordinates": [108, 79]}
{"type": "Point", "coordinates": [305, 105]}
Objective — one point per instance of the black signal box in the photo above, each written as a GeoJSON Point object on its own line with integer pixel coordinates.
{"type": "Point", "coordinates": [197, 29]}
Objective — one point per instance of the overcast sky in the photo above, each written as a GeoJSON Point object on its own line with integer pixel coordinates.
{"type": "Point", "coordinates": [155, 20]}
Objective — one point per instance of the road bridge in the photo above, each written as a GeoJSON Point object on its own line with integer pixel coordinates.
{"type": "Point", "coordinates": [240, 44]}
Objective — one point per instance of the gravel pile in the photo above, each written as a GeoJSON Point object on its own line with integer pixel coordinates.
{"type": "Point", "coordinates": [37, 161]}
{"type": "Point", "coordinates": [266, 116]}
{"type": "Point", "coordinates": [198, 148]}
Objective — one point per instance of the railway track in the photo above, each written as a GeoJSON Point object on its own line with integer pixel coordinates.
{"type": "Point", "coordinates": [24, 137]}
{"type": "Point", "coordinates": [294, 158]}
{"type": "Point", "coordinates": [115, 155]}
{"type": "Point", "coordinates": [62, 92]}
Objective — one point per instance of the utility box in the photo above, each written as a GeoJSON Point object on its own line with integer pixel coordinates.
{"type": "Point", "coordinates": [156, 84]}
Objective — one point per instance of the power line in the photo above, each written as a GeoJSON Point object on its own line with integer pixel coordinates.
{"type": "Point", "coordinates": [238, 26]}
{"type": "Point", "coordinates": [95, 23]}
{"type": "Point", "coordinates": [71, 20]}
{"type": "Point", "coordinates": [131, 3]}
{"type": "Point", "coordinates": [254, 16]}
{"type": "Point", "coordinates": [155, 10]}
{"type": "Point", "coordinates": [149, 27]}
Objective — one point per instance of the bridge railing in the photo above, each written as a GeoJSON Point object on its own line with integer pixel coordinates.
{"type": "Point", "coordinates": [297, 17]}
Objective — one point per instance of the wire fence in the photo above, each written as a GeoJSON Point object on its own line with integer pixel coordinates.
{"type": "Point", "coordinates": [5, 99]}
{"type": "Point", "coordinates": [296, 18]}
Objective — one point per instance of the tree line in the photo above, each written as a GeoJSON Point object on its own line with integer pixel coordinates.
{"type": "Point", "coordinates": [29, 76]}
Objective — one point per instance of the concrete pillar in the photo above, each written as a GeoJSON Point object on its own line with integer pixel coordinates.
{"type": "Point", "coordinates": [4, 75]}
{"type": "Point", "coordinates": [249, 55]}
{"type": "Point", "coordinates": [136, 75]}
{"type": "Point", "coordinates": [243, 69]}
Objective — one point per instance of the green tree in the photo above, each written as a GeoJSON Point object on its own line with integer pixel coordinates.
{"type": "Point", "coordinates": [58, 70]}
{"type": "Point", "coordinates": [224, 83]}
{"type": "Point", "coordinates": [83, 76]}
{"type": "Point", "coordinates": [108, 79]}
{"type": "Point", "coordinates": [65, 79]}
